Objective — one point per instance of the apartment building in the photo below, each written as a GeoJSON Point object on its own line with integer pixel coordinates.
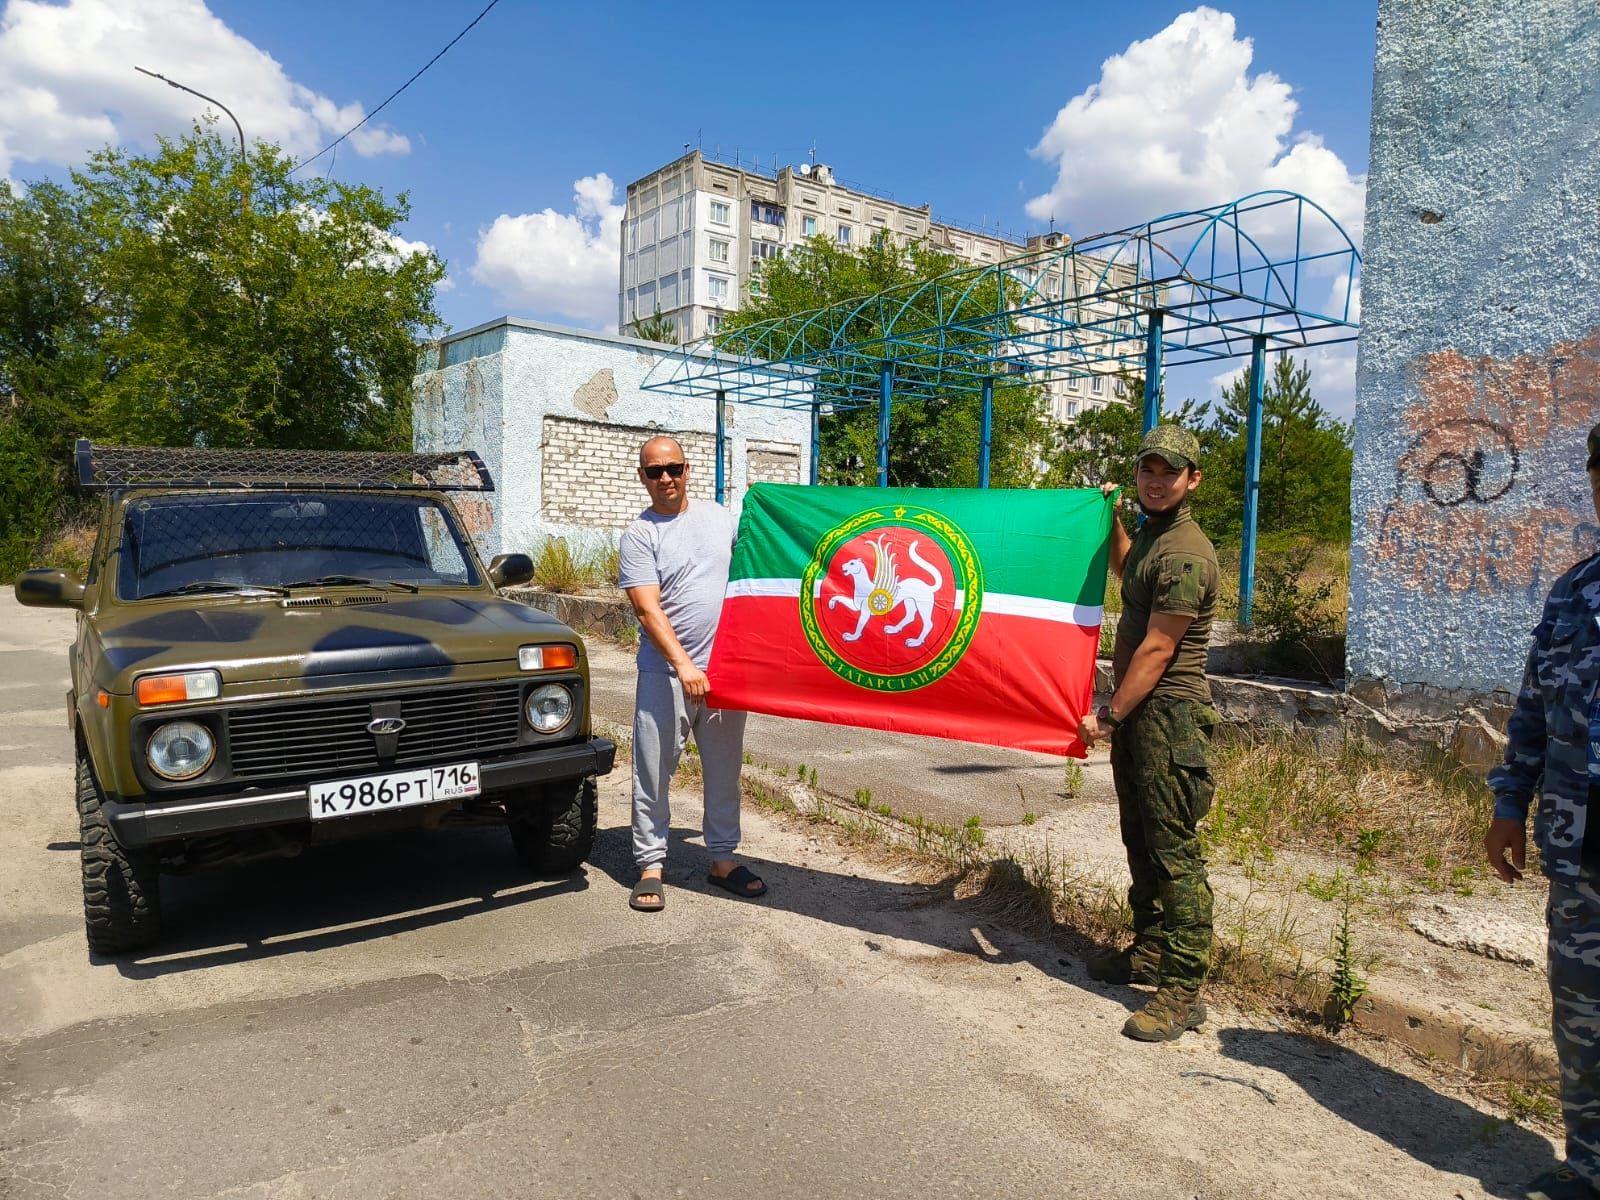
{"type": "Point", "coordinates": [696, 232]}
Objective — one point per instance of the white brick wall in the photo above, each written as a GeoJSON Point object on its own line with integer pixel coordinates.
{"type": "Point", "coordinates": [590, 471]}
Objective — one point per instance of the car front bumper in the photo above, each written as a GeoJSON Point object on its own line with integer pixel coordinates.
{"type": "Point", "coordinates": [144, 823]}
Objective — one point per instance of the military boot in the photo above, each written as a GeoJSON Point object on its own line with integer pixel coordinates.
{"type": "Point", "coordinates": [1139, 963]}
{"type": "Point", "coordinates": [1169, 1013]}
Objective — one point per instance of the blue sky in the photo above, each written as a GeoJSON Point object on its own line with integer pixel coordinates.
{"type": "Point", "coordinates": [947, 104]}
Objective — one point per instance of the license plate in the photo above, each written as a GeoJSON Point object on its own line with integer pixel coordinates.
{"type": "Point", "coordinates": [401, 789]}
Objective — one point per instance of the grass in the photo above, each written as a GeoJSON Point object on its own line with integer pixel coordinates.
{"type": "Point", "coordinates": [1279, 791]}
{"type": "Point", "coordinates": [70, 548]}
{"type": "Point", "coordinates": [561, 566]}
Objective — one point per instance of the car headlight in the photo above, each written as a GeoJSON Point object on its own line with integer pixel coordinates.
{"type": "Point", "coordinates": [549, 708]}
{"type": "Point", "coordinates": [180, 750]}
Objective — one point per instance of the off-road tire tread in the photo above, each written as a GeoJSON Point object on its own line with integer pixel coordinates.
{"type": "Point", "coordinates": [121, 884]}
{"type": "Point", "coordinates": [552, 827]}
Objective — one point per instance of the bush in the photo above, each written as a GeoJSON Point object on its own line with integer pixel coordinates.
{"type": "Point", "coordinates": [558, 566]}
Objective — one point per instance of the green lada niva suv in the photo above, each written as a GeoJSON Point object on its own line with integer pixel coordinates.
{"type": "Point", "coordinates": [280, 648]}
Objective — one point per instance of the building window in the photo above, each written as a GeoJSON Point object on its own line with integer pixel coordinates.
{"type": "Point", "coordinates": [770, 214]}
{"type": "Point", "coordinates": [761, 249]}
{"type": "Point", "coordinates": [844, 211]}
{"type": "Point", "coordinates": [844, 235]}
{"type": "Point", "coordinates": [879, 236]}
{"type": "Point", "coordinates": [755, 285]}
{"type": "Point", "coordinates": [713, 324]}
{"type": "Point", "coordinates": [716, 288]}
{"type": "Point", "coordinates": [1097, 385]}
{"type": "Point", "coordinates": [1072, 409]}
{"type": "Point", "coordinates": [1072, 383]}
{"type": "Point", "coordinates": [808, 226]}
{"type": "Point", "coordinates": [719, 250]}
{"type": "Point", "coordinates": [720, 212]}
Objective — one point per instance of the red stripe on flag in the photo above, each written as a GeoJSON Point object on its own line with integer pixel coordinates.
{"type": "Point", "coordinates": [1023, 682]}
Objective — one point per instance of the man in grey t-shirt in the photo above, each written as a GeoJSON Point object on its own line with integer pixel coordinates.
{"type": "Point", "coordinates": [674, 567]}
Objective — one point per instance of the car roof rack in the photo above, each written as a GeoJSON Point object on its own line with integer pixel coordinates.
{"type": "Point", "coordinates": [109, 467]}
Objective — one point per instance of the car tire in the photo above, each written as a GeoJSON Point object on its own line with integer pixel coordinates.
{"type": "Point", "coordinates": [121, 884]}
{"type": "Point", "coordinates": [552, 826]}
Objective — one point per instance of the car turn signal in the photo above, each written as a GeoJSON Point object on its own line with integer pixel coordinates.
{"type": "Point", "coordinates": [171, 689]}
{"type": "Point", "coordinates": [547, 658]}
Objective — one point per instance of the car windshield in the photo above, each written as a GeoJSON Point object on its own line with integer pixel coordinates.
{"type": "Point", "coordinates": [212, 543]}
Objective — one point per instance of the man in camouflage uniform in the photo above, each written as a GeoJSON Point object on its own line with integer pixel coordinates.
{"type": "Point", "coordinates": [1160, 722]}
{"type": "Point", "coordinates": [1554, 749]}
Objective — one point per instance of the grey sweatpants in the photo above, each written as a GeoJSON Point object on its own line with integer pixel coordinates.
{"type": "Point", "coordinates": [663, 719]}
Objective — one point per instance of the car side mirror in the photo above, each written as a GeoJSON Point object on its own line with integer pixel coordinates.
{"type": "Point", "coordinates": [50, 587]}
{"type": "Point", "coordinates": [508, 570]}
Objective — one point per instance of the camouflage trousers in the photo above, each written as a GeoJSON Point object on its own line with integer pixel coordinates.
{"type": "Point", "coordinates": [1164, 788]}
{"type": "Point", "coordinates": [1574, 919]}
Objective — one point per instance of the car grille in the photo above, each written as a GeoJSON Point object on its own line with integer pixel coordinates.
{"type": "Point", "coordinates": [329, 737]}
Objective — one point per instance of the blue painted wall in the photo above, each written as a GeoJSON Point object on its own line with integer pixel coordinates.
{"type": "Point", "coordinates": [1479, 367]}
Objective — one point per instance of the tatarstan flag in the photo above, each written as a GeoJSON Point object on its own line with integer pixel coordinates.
{"type": "Point", "coordinates": [952, 612]}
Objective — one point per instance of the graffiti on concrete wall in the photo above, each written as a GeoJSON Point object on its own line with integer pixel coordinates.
{"type": "Point", "coordinates": [1463, 516]}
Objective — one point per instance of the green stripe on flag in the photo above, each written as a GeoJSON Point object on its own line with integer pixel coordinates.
{"type": "Point", "coordinates": [1049, 543]}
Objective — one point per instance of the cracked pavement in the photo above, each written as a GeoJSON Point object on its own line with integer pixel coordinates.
{"type": "Point", "coordinates": [413, 1017]}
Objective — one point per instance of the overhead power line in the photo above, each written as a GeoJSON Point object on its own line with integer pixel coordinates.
{"type": "Point", "coordinates": [397, 90]}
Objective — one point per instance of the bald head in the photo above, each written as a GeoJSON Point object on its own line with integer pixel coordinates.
{"type": "Point", "coordinates": [660, 443]}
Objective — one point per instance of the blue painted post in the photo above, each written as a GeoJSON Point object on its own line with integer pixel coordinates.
{"type": "Point", "coordinates": [1152, 371]}
{"type": "Point", "coordinates": [816, 439]}
{"type": "Point", "coordinates": [986, 431]}
{"type": "Point", "coordinates": [722, 445]}
{"type": "Point", "coordinates": [1252, 478]}
{"type": "Point", "coordinates": [885, 398]}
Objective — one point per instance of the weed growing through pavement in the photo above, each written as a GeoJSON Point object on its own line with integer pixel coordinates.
{"type": "Point", "coordinates": [1531, 1104]}
{"type": "Point", "coordinates": [1072, 784]}
{"type": "Point", "coordinates": [1345, 984]}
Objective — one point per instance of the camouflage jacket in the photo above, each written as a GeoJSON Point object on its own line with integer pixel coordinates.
{"type": "Point", "coordinates": [1548, 734]}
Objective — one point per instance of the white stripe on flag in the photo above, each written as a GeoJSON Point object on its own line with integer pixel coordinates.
{"type": "Point", "coordinates": [995, 602]}
{"type": "Point", "coordinates": [764, 587]}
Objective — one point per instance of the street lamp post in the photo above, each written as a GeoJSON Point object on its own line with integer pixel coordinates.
{"type": "Point", "coordinates": [244, 160]}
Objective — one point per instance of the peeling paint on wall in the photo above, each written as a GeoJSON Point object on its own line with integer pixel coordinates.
{"type": "Point", "coordinates": [1456, 522]}
{"type": "Point", "coordinates": [595, 397]}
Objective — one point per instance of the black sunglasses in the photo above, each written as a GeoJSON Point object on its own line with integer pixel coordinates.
{"type": "Point", "coordinates": [673, 469]}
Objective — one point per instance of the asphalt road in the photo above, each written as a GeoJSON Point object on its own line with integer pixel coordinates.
{"type": "Point", "coordinates": [413, 1017]}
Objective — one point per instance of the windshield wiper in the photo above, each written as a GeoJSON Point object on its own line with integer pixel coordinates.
{"type": "Point", "coordinates": [200, 586]}
{"type": "Point", "coordinates": [353, 581]}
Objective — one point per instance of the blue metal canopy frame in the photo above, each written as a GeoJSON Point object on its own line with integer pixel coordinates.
{"type": "Point", "coordinates": [1271, 271]}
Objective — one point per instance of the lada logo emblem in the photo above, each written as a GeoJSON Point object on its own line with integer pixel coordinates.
{"type": "Point", "coordinates": [383, 725]}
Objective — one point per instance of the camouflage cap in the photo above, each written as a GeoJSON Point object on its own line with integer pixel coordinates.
{"type": "Point", "coordinates": [1594, 448]}
{"type": "Point", "coordinates": [1173, 443]}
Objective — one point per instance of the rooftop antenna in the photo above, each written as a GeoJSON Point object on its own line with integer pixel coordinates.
{"type": "Point", "coordinates": [813, 154]}
{"type": "Point", "coordinates": [1052, 222]}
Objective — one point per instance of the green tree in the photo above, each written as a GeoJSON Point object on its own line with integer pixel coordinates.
{"type": "Point", "coordinates": [139, 304]}
{"type": "Point", "coordinates": [1305, 460]}
{"type": "Point", "coordinates": [1099, 444]}
{"type": "Point", "coordinates": [932, 442]}
{"type": "Point", "coordinates": [657, 328]}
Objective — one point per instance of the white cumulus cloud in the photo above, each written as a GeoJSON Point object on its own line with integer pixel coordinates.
{"type": "Point", "coordinates": [562, 263]}
{"type": "Point", "coordinates": [69, 86]}
{"type": "Point", "coordinates": [1178, 122]}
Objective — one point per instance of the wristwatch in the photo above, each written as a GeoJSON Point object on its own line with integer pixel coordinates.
{"type": "Point", "coordinates": [1106, 717]}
